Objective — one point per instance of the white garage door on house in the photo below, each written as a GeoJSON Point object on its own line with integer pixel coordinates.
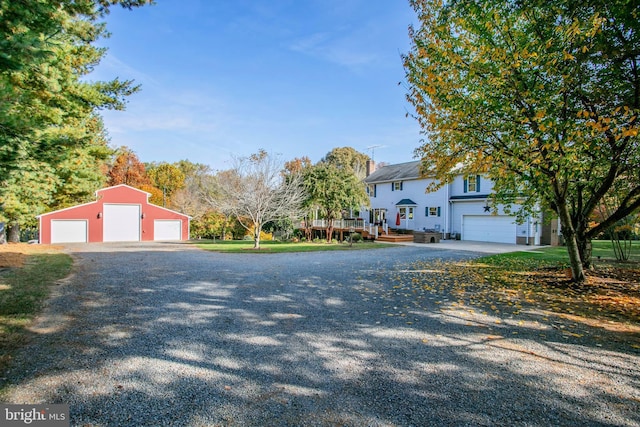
{"type": "Point", "coordinates": [489, 228]}
{"type": "Point", "coordinates": [121, 223]}
{"type": "Point", "coordinates": [167, 229]}
{"type": "Point", "coordinates": [69, 231]}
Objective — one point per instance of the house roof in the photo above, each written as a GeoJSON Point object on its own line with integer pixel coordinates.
{"type": "Point", "coordinates": [406, 202]}
{"type": "Point", "coordinates": [124, 186]}
{"type": "Point", "coordinates": [390, 173]}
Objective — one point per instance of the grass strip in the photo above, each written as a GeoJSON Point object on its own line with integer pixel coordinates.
{"type": "Point", "coordinates": [23, 291]}
{"type": "Point", "coordinates": [270, 246]}
{"type": "Point", "coordinates": [557, 256]}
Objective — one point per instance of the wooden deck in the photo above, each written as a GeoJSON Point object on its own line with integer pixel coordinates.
{"type": "Point", "coordinates": [395, 238]}
{"type": "Point", "coordinates": [368, 232]}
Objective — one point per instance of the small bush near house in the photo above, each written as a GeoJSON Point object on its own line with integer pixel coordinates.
{"type": "Point", "coordinates": [356, 237]}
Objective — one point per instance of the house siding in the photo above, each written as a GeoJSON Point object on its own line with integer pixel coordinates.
{"type": "Point", "coordinates": [414, 189]}
{"type": "Point", "coordinates": [453, 199]}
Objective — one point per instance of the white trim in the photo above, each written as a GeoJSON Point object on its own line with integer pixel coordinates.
{"type": "Point", "coordinates": [65, 209]}
{"type": "Point", "coordinates": [123, 185]}
{"type": "Point", "coordinates": [169, 210]}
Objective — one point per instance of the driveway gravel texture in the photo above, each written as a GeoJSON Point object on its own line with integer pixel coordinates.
{"type": "Point", "coordinates": [165, 334]}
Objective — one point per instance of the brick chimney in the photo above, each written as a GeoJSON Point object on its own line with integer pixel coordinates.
{"type": "Point", "coordinates": [371, 167]}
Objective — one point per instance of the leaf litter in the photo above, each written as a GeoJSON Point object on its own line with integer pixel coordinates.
{"type": "Point", "coordinates": [608, 301]}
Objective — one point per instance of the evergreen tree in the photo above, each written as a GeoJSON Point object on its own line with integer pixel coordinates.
{"type": "Point", "coordinates": [50, 135]}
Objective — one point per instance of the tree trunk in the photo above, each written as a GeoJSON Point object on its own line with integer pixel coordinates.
{"type": "Point", "coordinates": [13, 232]}
{"type": "Point", "coordinates": [257, 228]}
{"type": "Point", "coordinates": [585, 249]}
{"type": "Point", "coordinates": [330, 232]}
{"type": "Point", "coordinates": [569, 234]}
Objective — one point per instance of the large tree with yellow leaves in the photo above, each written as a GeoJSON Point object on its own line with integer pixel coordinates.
{"type": "Point", "coordinates": [542, 96]}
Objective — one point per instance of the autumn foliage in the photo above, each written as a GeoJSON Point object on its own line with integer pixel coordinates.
{"type": "Point", "coordinates": [541, 96]}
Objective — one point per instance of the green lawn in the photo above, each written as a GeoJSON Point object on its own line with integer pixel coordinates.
{"type": "Point", "coordinates": [557, 256]}
{"type": "Point", "coordinates": [245, 246]}
{"type": "Point", "coordinates": [23, 291]}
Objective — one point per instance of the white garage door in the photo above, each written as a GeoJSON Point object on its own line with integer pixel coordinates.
{"type": "Point", "coordinates": [167, 229]}
{"type": "Point", "coordinates": [121, 223]}
{"type": "Point", "coordinates": [68, 231]}
{"type": "Point", "coordinates": [489, 228]}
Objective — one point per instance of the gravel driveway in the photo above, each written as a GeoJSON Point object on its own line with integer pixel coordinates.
{"type": "Point", "coordinates": [165, 334]}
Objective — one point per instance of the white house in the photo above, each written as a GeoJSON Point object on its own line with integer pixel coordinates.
{"type": "Point", "coordinates": [459, 210]}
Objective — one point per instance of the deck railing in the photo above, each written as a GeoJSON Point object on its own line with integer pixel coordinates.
{"type": "Point", "coordinates": [346, 224]}
{"type": "Point", "coordinates": [356, 224]}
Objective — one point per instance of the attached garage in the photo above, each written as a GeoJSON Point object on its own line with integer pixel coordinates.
{"type": "Point", "coordinates": [489, 228]}
{"type": "Point", "coordinates": [164, 229]}
{"type": "Point", "coordinates": [69, 231]}
{"type": "Point", "coordinates": [120, 214]}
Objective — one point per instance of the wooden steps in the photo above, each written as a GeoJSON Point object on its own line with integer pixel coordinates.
{"type": "Point", "coordinates": [394, 238]}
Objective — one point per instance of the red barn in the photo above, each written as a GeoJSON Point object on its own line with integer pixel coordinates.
{"type": "Point", "coordinates": [120, 214]}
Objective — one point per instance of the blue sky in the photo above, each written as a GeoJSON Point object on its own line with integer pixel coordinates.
{"type": "Point", "coordinates": [295, 77]}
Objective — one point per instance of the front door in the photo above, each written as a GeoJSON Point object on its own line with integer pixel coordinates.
{"type": "Point", "coordinates": [378, 216]}
{"type": "Point", "coordinates": [406, 217]}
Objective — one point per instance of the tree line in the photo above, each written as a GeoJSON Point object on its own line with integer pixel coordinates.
{"type": "Point", "coordinates": [261, 192]}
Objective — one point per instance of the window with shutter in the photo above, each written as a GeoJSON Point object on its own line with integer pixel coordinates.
{"type": "Point", "coordinates": [472, 184]}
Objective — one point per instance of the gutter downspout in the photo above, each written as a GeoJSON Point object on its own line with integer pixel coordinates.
{"type": "Point", "coordinates": [447, 206]}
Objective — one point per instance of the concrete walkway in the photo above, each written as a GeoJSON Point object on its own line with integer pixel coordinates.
{"type": "Point", "coordinates": [481, 247]}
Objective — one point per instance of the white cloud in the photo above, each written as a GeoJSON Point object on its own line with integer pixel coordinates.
{"type": "Point", "coordinates": [347, 49]}
{"type": "Point", "coordinates": [111, 67]}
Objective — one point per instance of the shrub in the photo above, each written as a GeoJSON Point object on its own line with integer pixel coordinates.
{"type": "Point", "coordinates": [264, 236]}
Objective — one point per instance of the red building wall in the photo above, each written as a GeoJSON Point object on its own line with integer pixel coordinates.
{"type": "Point", "coordinates": [119, 194]}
